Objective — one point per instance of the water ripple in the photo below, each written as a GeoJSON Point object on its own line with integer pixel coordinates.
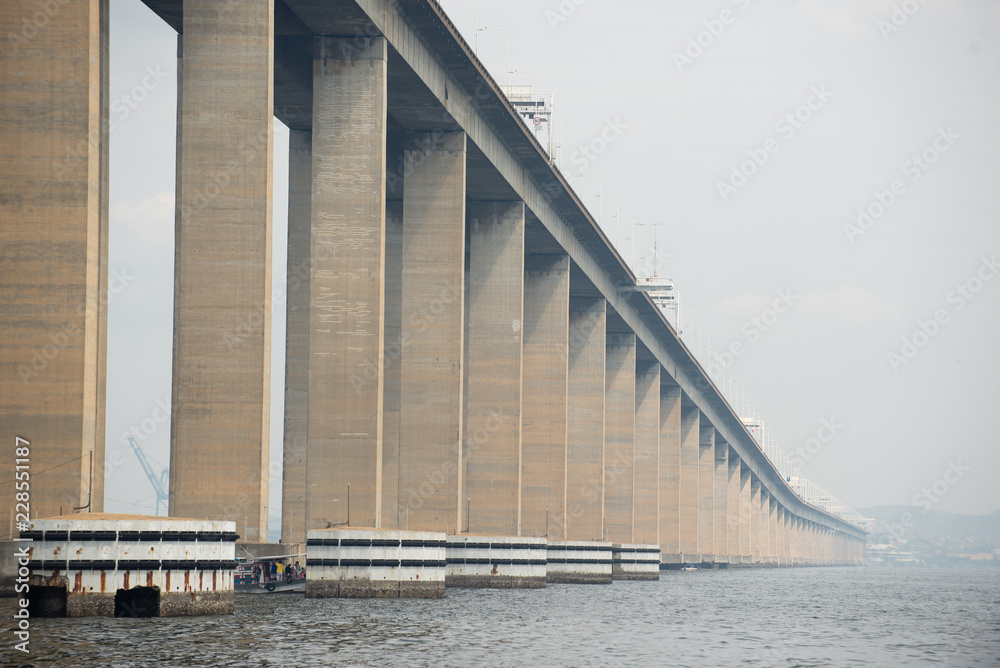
{"type": "Point", "coordinates": [773, 617]}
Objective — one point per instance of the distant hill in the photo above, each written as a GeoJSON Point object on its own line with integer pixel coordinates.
{"type": "Point", "coordinates": [939, 524]}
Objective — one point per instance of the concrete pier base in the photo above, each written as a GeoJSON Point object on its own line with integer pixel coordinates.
{"type": "Point", "coordinates": [578, 562]}
{"type": "Point", "coordinates": [514, 562]}
{"type": "Point", "coordinates": [129, 566]}
{"type": "Point", "coordinates": [372, 563]}
{"type": "Point", "coordinates": [635, 562]}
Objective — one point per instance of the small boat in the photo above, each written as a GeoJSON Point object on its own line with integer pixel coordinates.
{"type": "Point", "coordinates": [689, 567]}
{"type": "Point", "coordinates": [253, 576]}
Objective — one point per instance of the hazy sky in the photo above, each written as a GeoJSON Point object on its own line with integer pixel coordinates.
{"type": "Point", "coordinates": [837, 106]}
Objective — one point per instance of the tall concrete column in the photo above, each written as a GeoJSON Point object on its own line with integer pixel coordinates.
{"type": "Point", "coordinates": [803, 538]}
{"type": "Point", "coordinates": [733, 506]}
{"type": "Point", "coordinates": [54, 250]}
{"type": "Point", "coordinates": [393, 329]}
{"type": "Point", "coordinates": [493, 396]}
{"type": "Point", "coordinates": [765, 525]}
{"type": "Point", "coordinates": [786, 530]}
{"type": "Point", "coordinates": [793, 540]}
{"type": "Point", "coordinates": [745, 535]}
{"type": "Point", "coordinates": [689, 504]}
{"type": "Point", "coordinates": [773, 533]}
{"type": "Point", "coordinates": [293, 475]}
{"type": "Point", "coordinates": [706, 490]}
{"type": "Point", "coordinates": [647, 454]}
{"type": "Point", "coordinates": [392, 358]}
{"type": "Point", "coordinates": [721, 500]}
{"type": "Point", "coordinates": [347, 286]}
{"type": "Point", "coordinates": [810, 542]}
{"type": "Point", "coordinates": [776, 531]}
{"type": "Point", "coordinates": [755, 528]}
{"type": "Point", "coordinates": [431, 370]}
{"type": "Point", "coordinates": [585, 431]}
{"type": "Point", "coordinates": [670, 470]}
{"type": "Point", "coordinates": [544, 398]}
{"type": "Point", "coordinates": [219, 423]}
{"type": "Point", "coordinates": [814, 555]}
{"type": "Point", "coordinates": [619, 437]}
{"type": "Point", "coordinates": [781, 545]}
{"type": "Point", "coordinates": [801, 547]}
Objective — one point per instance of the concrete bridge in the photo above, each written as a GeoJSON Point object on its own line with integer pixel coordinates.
{"type": "Point", "coordinates": [465, 353]}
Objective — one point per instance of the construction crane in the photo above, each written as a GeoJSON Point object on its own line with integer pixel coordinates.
{"type": "Point", "coordinates": [160, 484]}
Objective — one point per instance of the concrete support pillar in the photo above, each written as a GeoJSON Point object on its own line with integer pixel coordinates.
{"type": "Point", "coordinates": [544, 396]}
{"type": "Point", "coordinates": [431, 369]}
{"type": "Point", "coordinates": [585, 430]}
{"type": "Point", "coordinates": [393, 328]}
{"type": "Point", "coordinates": [706, 490]}
{"type": "Point", "coordinates": [492, 448]}
{"type": "Point", "coordinates": [721, 520]}
{"type": "Point", "coordinates": [54, 250]}
{"type": "Point", "coordinates": [795, 542]}
{"type": "Point", "coordinates": [808, 535]}
{"type": "Point", "coordinates": [787, 533]}
{"type": "Point", "coordinates": [733, 509]}
{"type": "Point", "coordinates": [222, 274]}
{"type": "Point", "coordinates": [293, 475]}
{"type": "Point", "coordinates": [745, 503]}
{"type": "Point", "coordinates": [347, 286]}
{"type": "Point", "coordinates": [619, 437]}
{"type": "Point", "coordinates": [689, 505]}
{"type": "Point", "coordinates": [392, 358]}
{"type": "Point", "coordinates": [772, 531]}
{"type": "Point", "coordinates": [755, 528]}
{"type": "Point", "coordinates": [647, 454]}
{"type": "Point", "coordinates": [765, 525]}
{"type": "Point", "coordinates": [670, 470]}
{"type": "Point", "coordinates": [778, 533]}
